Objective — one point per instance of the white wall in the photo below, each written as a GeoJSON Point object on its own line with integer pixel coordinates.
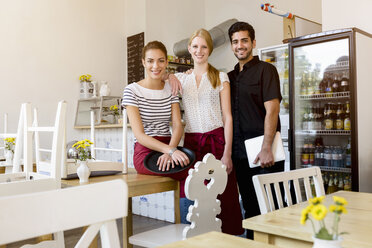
{"type": "Point", "coordinates": [268, 27]}
{"type": "Point", "coordinates": [45, 47]}
{"type": "Point", "coordinates": [347, 14]}
{"type": "Point", "coordinates": [170, 21]}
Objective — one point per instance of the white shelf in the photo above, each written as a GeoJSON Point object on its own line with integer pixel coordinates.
{"type": "Point", "coordinates": [324, 132]}
{"type": "Point", "coordinates": [334, 169]}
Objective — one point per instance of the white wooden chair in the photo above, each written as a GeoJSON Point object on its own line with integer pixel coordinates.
{"type": "Point", "coordinates": [263, 187]}
{"type": "Point", "coordinates": [202, 214]}
{"type": "Point", "coordinates": [28, 181]}
{"type": "Point", "coordinates": [95, 205]}
{"type": "Point", "coordinates": [52, 170]}
{"type": "Point", "coordinates": [123, 149]}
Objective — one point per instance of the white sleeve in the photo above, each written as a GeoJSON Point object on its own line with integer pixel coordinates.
{"type": "Point", "coordinates": [181, 76]}
{"type": "Point", "coordinates": [223, 78]}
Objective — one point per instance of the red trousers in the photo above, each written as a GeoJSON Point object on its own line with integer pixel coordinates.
{"type": "Point", "coordinates": [140, 153]}
{"type": "Point", "coordinates": [214, 142]}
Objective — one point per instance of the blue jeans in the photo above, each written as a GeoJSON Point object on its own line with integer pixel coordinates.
{"type": "Point", "coordinates": [184, 209]}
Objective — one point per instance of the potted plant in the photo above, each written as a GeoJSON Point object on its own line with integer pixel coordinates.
{"type": "Point", "coordinates": [324, 237]}
{"type": "Point", "coordinates": [84, 154]}
{"type": "Point", "coordinates": [115, 112]}
{"type": "Point", "coordinates": [86, 87]}
{"type": "Point", "coordinates": [9, 150]}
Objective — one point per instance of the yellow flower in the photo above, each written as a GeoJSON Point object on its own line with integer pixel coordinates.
{"type": "Point", "coordinates": [319, 211]}
{"type": "Point", "coordinates": [337, 209]}
{"type": "Point", "coordinates": [339, 200]}
{"type": "Point", "coordinates": [85, 78]}
{"type": "Point", "coordinates": [305, 214]}
{"type": "Point", "coordinates": [316, 200]}
{"type": "Point", "coordinates": [113, 107]}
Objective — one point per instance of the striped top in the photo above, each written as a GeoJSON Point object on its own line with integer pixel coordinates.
{"type": "Point", "coordinates": [154, 107]}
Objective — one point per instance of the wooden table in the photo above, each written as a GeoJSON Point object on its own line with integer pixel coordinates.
{"type": "Point", "coordinates": [283, 229]}
{"type": "Point", "coordinates": [138, 185]}
{"type": "Point", "coordinates": [217, 240]}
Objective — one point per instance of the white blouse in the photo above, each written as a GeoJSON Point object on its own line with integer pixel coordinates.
{"type": "Point", "coordinates": [202, 105]}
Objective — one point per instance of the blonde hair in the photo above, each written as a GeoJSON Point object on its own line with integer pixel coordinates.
{"type": "Point", "coordinates": [213, 73]}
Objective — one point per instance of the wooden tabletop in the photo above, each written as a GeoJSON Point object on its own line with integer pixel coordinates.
{"type": "Point", "coordinates": [284, 224]}
{"type": "Point", "coordinates": [138, 184]}
{"type": "Point", "coordinates": [217, 240]}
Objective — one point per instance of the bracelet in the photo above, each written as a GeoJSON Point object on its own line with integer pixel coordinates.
{"type": "Point", "coordinates": [172, 151]}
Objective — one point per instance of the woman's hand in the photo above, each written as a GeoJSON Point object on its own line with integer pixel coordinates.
{"type": "Point", "coordinates": [165, 162]}
{"type": "Point", "coordinates": [180, 158]}
{"type": "Point", "coordinates": [226, 160]}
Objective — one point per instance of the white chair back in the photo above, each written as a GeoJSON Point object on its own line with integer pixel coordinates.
{"type": "Point", "coordinates": [202, 214]}
{"type": "Point", "coordinates": [123, 149]}
{"type": "Point", "coordinates": [263, 185]}
{"type": "Point", "coordinates": [95, 205]}
{"type": "Point", "coordinates": [53, 167]}
{"type": "Point", "coordinates": [25, 182]}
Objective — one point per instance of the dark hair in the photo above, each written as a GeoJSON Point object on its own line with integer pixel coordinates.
{"type": "Point", "coordinates": [241, 26]}
{"type": "Point", "coordinates": [154, 45]}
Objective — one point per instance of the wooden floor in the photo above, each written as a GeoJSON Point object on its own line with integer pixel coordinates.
{"type": "Point", "coordinates": [140, 224]}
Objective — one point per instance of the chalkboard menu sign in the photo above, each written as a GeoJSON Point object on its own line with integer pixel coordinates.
{"type": "Point", "coordinates": [135, 44]}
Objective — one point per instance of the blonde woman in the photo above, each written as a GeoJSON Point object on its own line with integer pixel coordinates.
{"type": "Point", "coordinates": [209, 126]}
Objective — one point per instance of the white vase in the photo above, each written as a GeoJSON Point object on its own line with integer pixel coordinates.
{"type": "Point", "coordinates": [321, 243]}
{"type": "Point", "coordinates": [8, 157]}
{"type": "Point", "coordinates": [83, 172]}
{"type": "Point", "coordinates": [86, 90]}
{"type": "Point", "coordinates": [104, 89]}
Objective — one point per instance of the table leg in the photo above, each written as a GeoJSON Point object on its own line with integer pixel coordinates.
{"type": "Point", "coordinates": [128, 225]}
{"type": "Point", "coordinates": [177, 214]}
{"type": "Point", "coordinates": [262, 237]}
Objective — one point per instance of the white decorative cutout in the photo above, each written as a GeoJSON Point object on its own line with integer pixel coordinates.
{"type": "Point", "coordinates": [202, 214]}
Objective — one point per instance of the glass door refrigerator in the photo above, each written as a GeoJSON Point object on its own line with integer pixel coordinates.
{"type": "Point", "coordinates": [278, 56]}
{"type": "Point", "coordinates": [330, 118]}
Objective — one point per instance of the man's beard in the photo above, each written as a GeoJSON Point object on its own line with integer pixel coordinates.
{"type": "Point", "coordinates": [245, 57]}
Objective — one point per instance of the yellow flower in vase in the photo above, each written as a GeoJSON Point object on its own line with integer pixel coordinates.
{"type": "Point", "coordinates": [114, 109]}
{"type": "Point", "coordinates": [83, 149]}
{"type": "Point", "coordinates": [318, 212]}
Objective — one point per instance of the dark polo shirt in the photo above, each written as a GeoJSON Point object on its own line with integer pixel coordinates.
{"type": "Point", "coordinates": [257, 83]}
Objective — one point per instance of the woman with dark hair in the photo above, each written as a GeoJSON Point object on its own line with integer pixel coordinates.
{"type": "Point", "coordinates": [150, 107]}
{"type": "Point", "coordinates": [209, 126]}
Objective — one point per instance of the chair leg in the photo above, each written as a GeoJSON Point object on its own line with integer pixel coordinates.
{"type": "Point", "coordinates": [109, 235]}
{"type": "Point", "coordinates": [127, 226]}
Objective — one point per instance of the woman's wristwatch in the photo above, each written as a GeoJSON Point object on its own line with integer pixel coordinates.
{"type": "Point", "coordinates": [171, 151]}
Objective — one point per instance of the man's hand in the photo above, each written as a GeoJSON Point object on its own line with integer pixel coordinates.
{"type": "Point", "coordinates": [226, 160]}
{"type": "Point", "coordinates": [266, 158]}
{"type": "Point", "coordinates": [175, 84]}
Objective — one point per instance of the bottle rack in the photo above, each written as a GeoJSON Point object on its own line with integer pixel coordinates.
{"type": "Point", "coordinates": [326, 96]}
{"type": "Point", "coordinates": [324, 132]}
{"type": "Point", "coordinates": [332, 169]}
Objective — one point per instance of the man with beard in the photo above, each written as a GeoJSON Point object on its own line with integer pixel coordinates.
{"type": "Point", "coordinates": [255, 99]}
